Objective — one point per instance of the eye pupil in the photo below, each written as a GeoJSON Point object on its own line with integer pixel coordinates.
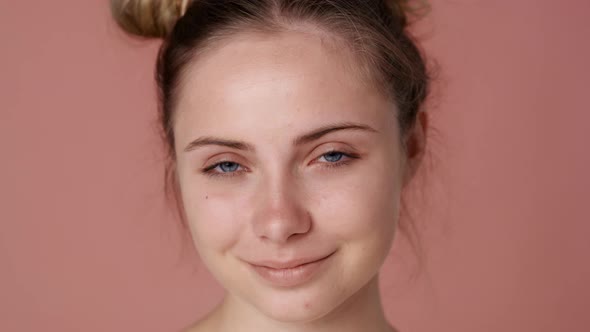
{"type": "Point", "coordinates": [228, 166]}
{"type": "Point", "coordinates": [333, 156]}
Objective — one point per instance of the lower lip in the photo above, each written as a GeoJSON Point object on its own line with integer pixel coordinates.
{"type": "Point", "coordinates": [290, 277]}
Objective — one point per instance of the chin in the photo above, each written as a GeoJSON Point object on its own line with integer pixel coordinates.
{"type": "Point", "coordinates": [313, 300]}
{"type": "Point", "coordinates": [307, 303]}
{"type": "Point", "coordinates": [299, 307]}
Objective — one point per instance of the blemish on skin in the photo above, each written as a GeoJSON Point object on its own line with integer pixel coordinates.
{"type": "Point", "coordinates": [206, 197]}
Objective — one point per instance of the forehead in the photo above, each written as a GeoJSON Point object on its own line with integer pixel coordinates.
{"type": "Point", "coordinates": [294, 79]}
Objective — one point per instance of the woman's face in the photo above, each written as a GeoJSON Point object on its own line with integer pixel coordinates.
{"type": "Point", "coordinates": [285, 157]}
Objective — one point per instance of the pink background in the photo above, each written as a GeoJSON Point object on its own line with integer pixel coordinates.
{"type": "Point", "coordinates": [87, 244]}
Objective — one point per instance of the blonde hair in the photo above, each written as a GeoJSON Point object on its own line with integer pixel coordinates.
{"type": "Point", "coordinates": [148, 18]}
{"type": "Point", "coordinates": [156, 18]}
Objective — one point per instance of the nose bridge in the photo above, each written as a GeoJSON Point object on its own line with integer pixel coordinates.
{"type": "Point", "coordinates": [280, 211]}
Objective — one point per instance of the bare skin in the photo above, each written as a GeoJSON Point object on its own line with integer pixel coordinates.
{"type": "Point", "coordinates": [357, 314]}
{"type": "Point", "coordinates": [261, 181]}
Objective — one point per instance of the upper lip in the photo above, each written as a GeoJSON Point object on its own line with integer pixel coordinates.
{"type": "Point", "coordinates": [278, 265]}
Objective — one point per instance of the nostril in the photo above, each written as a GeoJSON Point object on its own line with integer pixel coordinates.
{"type": "Point", "coordinates": [280, 226]}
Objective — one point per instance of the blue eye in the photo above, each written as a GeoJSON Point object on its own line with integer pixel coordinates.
{"type": "Point", "coordinates": [228, 166]}
{"type": "Point", "coordinates": [333, 156]}
{"type": "Point", "coordinates": [337, 159]}
{"type": "Point", "coordinates": [223, 168]}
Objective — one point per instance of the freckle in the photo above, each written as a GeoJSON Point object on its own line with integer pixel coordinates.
{"type": "Point", "coordinates": [207, 197]}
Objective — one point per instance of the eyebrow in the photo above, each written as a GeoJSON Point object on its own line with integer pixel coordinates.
{"type": "Point", "coordinates": [301, 140]}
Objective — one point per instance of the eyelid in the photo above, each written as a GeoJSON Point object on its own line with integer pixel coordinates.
{"type": "Point", "coordinates": [348, 155]}
{"type": "Point", "coordinates": [348, 158]}
{"type": "Point", "coordinates": [331, 148]}
{"type": "Point", "coordinates": [221, 158]}
{"type": "Point", "coordinates": [210, 170]}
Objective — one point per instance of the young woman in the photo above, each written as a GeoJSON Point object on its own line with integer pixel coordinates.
{"type": "Point", "coordinates": [293, 127]}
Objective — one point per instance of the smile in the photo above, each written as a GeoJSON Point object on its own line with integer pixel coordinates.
{"type": "Point", "coordinates": [291, 273]}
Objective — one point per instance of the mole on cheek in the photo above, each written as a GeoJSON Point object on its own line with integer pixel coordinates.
{"type": "Point", "coordinates": [207, 197]}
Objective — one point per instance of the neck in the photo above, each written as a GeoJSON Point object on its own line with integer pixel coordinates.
{"type": "Point", "coordinates": [361, 312]}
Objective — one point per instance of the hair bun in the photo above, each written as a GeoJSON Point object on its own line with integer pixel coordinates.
{"type": "Point", "coordinates": [147, 18]}
{"type": "Point", "coordinates": [407, 11]}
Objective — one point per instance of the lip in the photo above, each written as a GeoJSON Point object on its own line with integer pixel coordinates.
{"type": "Point", "coordinates": [290, 273]}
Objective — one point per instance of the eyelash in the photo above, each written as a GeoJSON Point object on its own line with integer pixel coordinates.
{"type": "Point", "coordinates": [209, 170]}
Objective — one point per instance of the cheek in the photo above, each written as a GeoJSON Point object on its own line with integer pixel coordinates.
{"type": "Point", "coordinates": [215, 218]}
{"type": "Point", "coordinates": [363, 205]}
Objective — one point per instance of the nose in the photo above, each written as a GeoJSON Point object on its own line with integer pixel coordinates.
{"type": "Point", "coordinates": [280, 212]}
